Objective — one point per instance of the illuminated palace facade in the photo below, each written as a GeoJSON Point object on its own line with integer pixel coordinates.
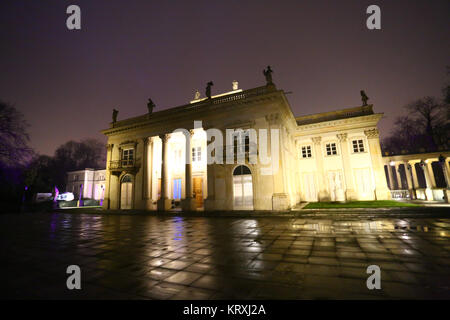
{"type": "Point", "coordinates": [332, 156]}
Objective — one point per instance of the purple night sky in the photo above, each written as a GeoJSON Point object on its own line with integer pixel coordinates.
{"type": "Point", "coordinates": [67, 82]}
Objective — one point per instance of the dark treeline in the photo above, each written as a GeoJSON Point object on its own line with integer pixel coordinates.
{"type": "Point", "coordinates": [424, 128]}
{"type": "Point", "coordinates": [23, 172]}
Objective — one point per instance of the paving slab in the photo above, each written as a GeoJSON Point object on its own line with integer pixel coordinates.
{"type": "Point", "coordinates": [223, 257]}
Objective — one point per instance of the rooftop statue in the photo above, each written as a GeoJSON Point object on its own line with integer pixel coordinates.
{"type": "Point", "coordinates": [235, 85]}
{"type": "Point", "coordinates": [208, 89]}
{"type": "Point", "coordinates": [268, 74]}
{"type": "Point", "coordinates": [364, 98]}
{"type": "Point", "coordinates": [114, 115]}
{"type": "Point", "coordinates": [150, 106]}
{"type": "Point", "coordinates": [197, 95]}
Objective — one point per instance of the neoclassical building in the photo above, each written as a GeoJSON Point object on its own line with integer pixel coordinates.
{"type": "Point", "coordinates": [331, 156]}
{"type": "Point", "coordinates": [89, 182]}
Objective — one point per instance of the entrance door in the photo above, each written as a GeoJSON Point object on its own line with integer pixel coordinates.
{"type": "Point", "coordinates": [335, 186]}
{"type": "Point", "coordinates": [363, 181]}
{"type": "Point", "coordinates": [242, 188]}
{"type": "Point", "coordinates": [126, 191]}
{"type": "Point", "coordinates": [176, 189]}
{"type": "Point", "coordinates": [198, 191]}
{"type": "Point", "coordinates": [309, 186]}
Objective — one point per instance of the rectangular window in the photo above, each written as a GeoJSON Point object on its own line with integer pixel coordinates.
{"type": "Point", "coordinates": [196, 154]}
{"type": "Point", "coordinates": [241, 142]}
{"type": "Point", "coordinates": [306, 152]}
{"type": "Point", "coordinates": [358, 145]}
{"type": "Point", "coordinates": [331, 149]}
{"type": "Point", "coordinates": [127, 156]}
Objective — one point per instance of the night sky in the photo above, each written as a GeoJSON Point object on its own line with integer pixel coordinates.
{"type": "Point", "coordinates": [67, 82]}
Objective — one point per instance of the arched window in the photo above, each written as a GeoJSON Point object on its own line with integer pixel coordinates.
{"type": "Point", "coordinates": [240, 170]}
{"type": "Point", "coordinates": [126, 192]}
{"type": "Point", "coordinates": [126, 178]}
{"type": "Point", "coordinates": [242, 188]}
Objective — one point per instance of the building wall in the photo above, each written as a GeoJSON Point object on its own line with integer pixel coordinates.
{"type": "Point", "coordinates": [280, 190]}
{"type": "Point", "coordinates": [93, 182]}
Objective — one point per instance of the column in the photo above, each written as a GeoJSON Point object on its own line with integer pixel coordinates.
{"type": "Point", "coordinates": [381, 190]}
{"type": "Point", "coordinates": [415, 181]}
{"type": "Point", "coordinates": [447, 165]}
{"type": "Point", "coordinates": [409, 181]}
{"type": "Point", "coordinates": [431, 173]}
{"type": "Point", "coordinates": [391, 178]}
{"type": "Point", "coordinates": [209, 203]}
{"type": "Point", "coordinates": [350, 188]}
{"type": "Point", "coordinates": [399, 176]}
{"type": "Point", "coordinates": [428, 192]}
{"type": "Point", "coordinates": [442, 162]}
{"type": "Point", "coordinates": [280, 197]}
{"type": "Point", "coordinates": [164, 203]}
{"type": "Point", "coordinates": [144, 168]}
{"type": "Point", "coordinates": [149, 178]}
{"type": "Point", "coordinates": [323, 195]}
{"type": "Point", "coordinates": [106, 199]}
{"type": "Point", "coordinates": [188, 204]}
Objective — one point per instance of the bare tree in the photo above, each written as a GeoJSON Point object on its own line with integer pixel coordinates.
{"type": "Point", "coordinates": [425, 128]}
{"type": "Point", "coordinates": [428, 114]}
{"type": "Point", "coordinates": [14, 149]}
{"type": "Point", "coordinates": [446, 89]}
{"type": "Point", "coordinates": [74, 155]}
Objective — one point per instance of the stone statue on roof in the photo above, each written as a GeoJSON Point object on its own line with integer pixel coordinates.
{"type": "Point", "coordinates": [114, 115]}
{"type": "Point", "coordinates": [235, 85]}
{"type": "Point", "coordinates": [197, 95]}
{"type": "Point", "coordinates": [208, 89]}
{"type": "Point", "coordinates": [364, 98]}
{"type": "Point", "coordinates": [150, 106]}
{"type": "Point", "coordinates": [268, 74]}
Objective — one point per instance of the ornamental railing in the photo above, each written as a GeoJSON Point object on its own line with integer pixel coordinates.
{"type": "Point", "coordinates": [400, 194]}
{"type": "Point", "coordinates": [233, 97]}
{"type": "Point", "coordinates": [122, 164]}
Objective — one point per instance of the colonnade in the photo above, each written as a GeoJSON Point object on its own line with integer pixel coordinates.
{"type": "Point", "coordinates": [411, 187]}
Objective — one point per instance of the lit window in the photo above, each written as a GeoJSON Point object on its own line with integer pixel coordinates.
{"type": "Point", "coordinates": [177, 155]}
{"type": "Point", "coordinates": [127, 156]}
{"type": "Point", "coordinates": [196, 154]}
{"type": "Point", "coordinates": [241, 142]}
{"type": "Point", "coordinates": [331, 149]}
{"type": "Point", "coordinates": [306, 152]}
{"type": "Point", "coordinates": [358, 145]}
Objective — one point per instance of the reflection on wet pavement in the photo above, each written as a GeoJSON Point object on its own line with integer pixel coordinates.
{"type": "Point", "coordinates": [149, 257]}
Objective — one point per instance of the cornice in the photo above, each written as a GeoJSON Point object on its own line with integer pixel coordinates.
{"type": "Point", "coordinates": [355, 122]}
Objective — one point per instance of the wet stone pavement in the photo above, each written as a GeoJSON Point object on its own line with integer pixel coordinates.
{"type": "Point", "coordinates": [150, 257]}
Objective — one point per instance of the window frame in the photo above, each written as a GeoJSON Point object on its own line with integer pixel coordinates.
{"type": "Point", "coordinates": [364, 145]}
{"type": "Point", "coordinates": [125, 156]}
{"type": "Point", "coordinates": [306, 146]}
{"type": "Point", "coordinates": [196, 153]}
{"type": "Point", "coordinates": [326, 143]}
